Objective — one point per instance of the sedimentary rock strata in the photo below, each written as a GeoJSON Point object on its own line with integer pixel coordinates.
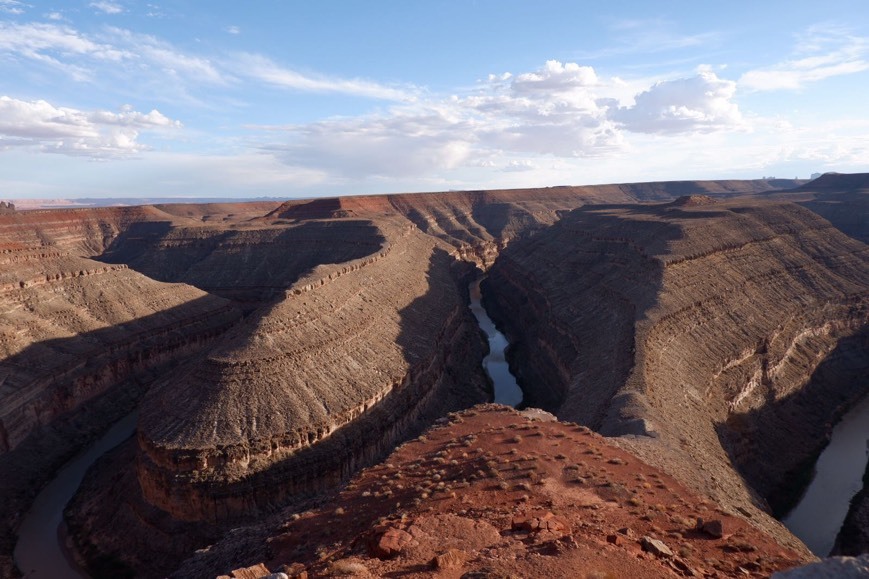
{"type": "Point", "coordinates": [355, 335]}
{"type": "Point", "coordinates": [80, 340]}
{"type": "Point", "coordinates": [355, 357]}
{"type": "Point", "coordinates": [725, 334]}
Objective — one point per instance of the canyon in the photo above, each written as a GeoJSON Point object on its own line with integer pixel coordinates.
{"type": "Point", "coordinates": [715, 330]}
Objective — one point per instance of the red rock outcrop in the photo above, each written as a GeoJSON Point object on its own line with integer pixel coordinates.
{"type": "Point", "coordinates": [727, 335]}
{"type": "Point", "coordinates": [492, 493]}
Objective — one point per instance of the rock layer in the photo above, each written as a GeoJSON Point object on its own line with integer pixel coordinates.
{"type": "Point", "coordinates": [355, 358]}
{"type": "Point", "coordinates": [727, 334]}
{"type": "Point", "coordinates": [79, 341]}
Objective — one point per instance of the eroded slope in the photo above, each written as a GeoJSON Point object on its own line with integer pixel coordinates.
{"type": "Point", "coordinates": [701, 326]}
{"type": "Point", "coordinates": [356, 357]}
{"type": "Point", "coordinates": [493, 493]}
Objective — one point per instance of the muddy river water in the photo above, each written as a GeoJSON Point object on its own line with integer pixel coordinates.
{"type": "Point", "coordinates": [39, 551]}
{"type": "Point", "coordinates": [816, 519]}
{"type": "Point", "coordinates": [506, 390]}
{"type": "Point", "coordinates": [838, 477]}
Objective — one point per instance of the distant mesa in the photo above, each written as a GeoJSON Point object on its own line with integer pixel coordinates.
{"type": "Point", "coordinates": [838, 181]}
{"type": "Point", "coordinates": [331, 208]}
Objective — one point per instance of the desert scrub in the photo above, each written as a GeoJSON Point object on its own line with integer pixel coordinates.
{"type": "Point", "coordinates": [345, 567]}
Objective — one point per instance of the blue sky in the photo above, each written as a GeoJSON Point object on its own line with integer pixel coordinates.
{"type": "Point", "coordinates": [113, 98]}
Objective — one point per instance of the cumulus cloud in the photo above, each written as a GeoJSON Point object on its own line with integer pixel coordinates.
{"type": "Point", "coordinates": [107, 7]}
{"type": "Point", "coordinates": [701, 103]}
{"type": "Point", "coordinates": [822, 52]}
{"type": "Point", "coordinates": [555, 76]}
{"type": "Point", "coordinates": [562, 110]}
{"type": "Point", "coordinates": [405, 144]}
{"type": "Point", "coordinates": [98, 134]}
{"type": "Point", "coordinates": [507, 114]}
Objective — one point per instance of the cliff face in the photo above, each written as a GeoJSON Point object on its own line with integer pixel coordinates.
{"type": "Point", "coordinates": [356, 357]}
{"type": "Point", "coordinates": [853, 538]}
{"type": "Point", "coordinates": [79, 342]}
{"type": "Point", "coordinates": [842, 199]}
{"type": "Point", "coordinates": [729, 334]}
{"type": "Point", "coordinates": [479, 223]}
{"type": "Point", "coordinates": [355, 335]}
{"type": "Point", "coordinates": [252, 266]}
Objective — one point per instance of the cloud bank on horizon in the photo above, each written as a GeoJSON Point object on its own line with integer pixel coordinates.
{"type": "Point", "coordinates": [180, 99]}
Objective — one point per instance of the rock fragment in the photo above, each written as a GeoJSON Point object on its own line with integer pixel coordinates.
{"type": "Point", "coordinates": [655, 547]}
{"type": "Point", "coordinates": [390, 543]}
{"type": "Point", "coordinates": [451, 559]}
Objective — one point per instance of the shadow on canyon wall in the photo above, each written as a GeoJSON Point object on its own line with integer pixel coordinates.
{"type": "Point", "coordinates": [250, 266]}
{"type": "Point", "coordinates": [833, 388]}
{"type": "Point", "coordinates": [443, 349]}
{"type": "Point", "coordinates": [106, 373]}
{"type": "Point", "coordinates": [569, 298]}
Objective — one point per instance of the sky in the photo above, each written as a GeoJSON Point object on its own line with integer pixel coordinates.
{"type": "Point", "coordinates": [185, 98]}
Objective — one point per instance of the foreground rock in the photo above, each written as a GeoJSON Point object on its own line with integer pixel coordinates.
{"type": "Point", "coordinates": [736, 334]}
{"type": "Point", "coordinates": [495, 493]}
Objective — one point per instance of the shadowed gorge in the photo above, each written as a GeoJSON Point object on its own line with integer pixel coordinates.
{"type": "Point", "coordinates": [272, 354]}
{"type": "Point", "coordinates": [716, 314]}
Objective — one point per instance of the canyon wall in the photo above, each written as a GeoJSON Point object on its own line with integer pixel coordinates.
{"type": "Point", "coordinates": [718, 338]}
{"type": "Point", "coordinates": [79, 341]}
{"type": "Point", "coordinates": [113, 298]}
{"type": "Point", "coordinates": [355, 358]}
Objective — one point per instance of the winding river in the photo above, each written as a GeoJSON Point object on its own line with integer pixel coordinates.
{"type": "Point", "coordinates": [40, 551]}
{"type": "Point", "coordinates": [506, 390]}
{"type": "Point", "coordinates": [817, 518]}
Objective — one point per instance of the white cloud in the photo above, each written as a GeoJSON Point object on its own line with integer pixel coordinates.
{"type": "Point", "coordinates": [265, 70]}
{"type": "Point", "coordinates": [107, 7]}
{"type": "Point", "coordinates": [702, 103]}
{"type": "Point", "coordinates": [56, 46]}
{"type": "Point", "coordinates": [233, 30]}
{"type": "Point", "coordinates": [822, 52]}
{"type": "Point", "coordinates": [54, 16]}
{"type": "Point", "coordinates": [555, 76]}
{"type": "Point", "coordinates": [98, 134]}
{"type": "Point", "coordinates": [520, 166]}
{"type": "Point", "coordinates": [560, 110]}
{"type": "Point", "coordinates": [13, 6]}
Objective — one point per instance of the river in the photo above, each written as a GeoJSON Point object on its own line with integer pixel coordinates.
{"type": "Point", "coordinates": [817, 518]}
{"type": "Point", "coordinates": [495, 364]}
{"type": "Point", "coordinates": [39, 552]}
